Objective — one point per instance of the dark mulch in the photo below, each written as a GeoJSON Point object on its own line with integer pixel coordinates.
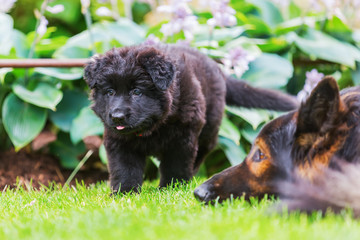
{"type": "Point", "coordinates": [43, 168]}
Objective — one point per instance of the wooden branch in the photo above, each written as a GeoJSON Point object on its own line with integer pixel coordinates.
{"type": "Point", "coordinates": [43, 62]}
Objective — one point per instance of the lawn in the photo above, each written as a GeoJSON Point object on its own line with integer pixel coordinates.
{"type": "Point", "coordinates": [89, 213]}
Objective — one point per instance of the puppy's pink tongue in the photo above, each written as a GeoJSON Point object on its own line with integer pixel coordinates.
{"type": "Point", "coordinates": [120, 127]}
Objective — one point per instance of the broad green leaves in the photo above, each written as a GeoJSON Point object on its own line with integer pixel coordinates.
{"type": "Point", "coordinates": [229, 130]}
{"type": "Point", "coordinates": [252, 116]}
{"type": "Point", "coordinates": [6, 29]}
{"type": "Point", "coordinates": [61, 73]}
{"type": "Point", "coordinates": [85, 124]}
{"type": "Point", "coordinates": [269, 71]}
{"type": "Point", "coordinates": [123, 32]}
{"type": "Point", "coordinates": [44, 95]}
{"type": "Point", "coordinates": [22, 121]}
{"type": "Point", "coordinates": [66, 151]}
{"type": "Point", "coordinates": [320, 45]}
{"type": "Point", "coordinates": [268, 12]}
{"type": "Point", "coordinates": [233, 152]}
{"type": "Point", "coordinates": [68, 109]}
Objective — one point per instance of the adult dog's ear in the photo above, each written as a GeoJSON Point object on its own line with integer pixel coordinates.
{"type": "Point", "coordinates": [160, 69]}
{"type": "Point", "coordinates": [89, 72]}
{"type": "Point", "coordinates": [321, 110]}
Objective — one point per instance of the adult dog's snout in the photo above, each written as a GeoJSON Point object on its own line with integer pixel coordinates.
{"type": "Point", "coordinates": [202, 193]}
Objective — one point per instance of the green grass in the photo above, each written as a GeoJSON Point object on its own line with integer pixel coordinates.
{"type": "Point", "coordinates": [89, 213]}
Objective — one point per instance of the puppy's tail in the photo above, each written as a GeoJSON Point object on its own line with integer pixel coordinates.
{"type": "Point", "coordinates": [334, 189]}
{"type": "Point", "coordinates": [241, 94]}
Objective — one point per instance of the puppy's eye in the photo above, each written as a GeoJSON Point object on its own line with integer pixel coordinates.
{"type": "Point", "coordinates": [259, 156]}
{"type": "Point", "coordinates": [110, 92]}
{"type": "Point", "coordinates": [136, 92]}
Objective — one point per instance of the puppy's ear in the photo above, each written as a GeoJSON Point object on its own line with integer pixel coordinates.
{"type": "Point", "coordinates": [321, 109]}
{"type": "Point", "coordinates": [160, 69]}
{"type": "Point", "coordinates": [89, 72]}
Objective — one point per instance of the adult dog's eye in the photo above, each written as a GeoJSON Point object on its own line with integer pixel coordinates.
{"type": "Point", "coordinates": [259, 156]}
{"type": "Point", "coordinates": [136, 92]}
{"type": "Point", "coordinates": [110, 92]}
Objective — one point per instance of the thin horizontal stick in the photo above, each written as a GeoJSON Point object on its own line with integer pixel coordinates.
{"type": "Point", "coordinates": [43, 62]}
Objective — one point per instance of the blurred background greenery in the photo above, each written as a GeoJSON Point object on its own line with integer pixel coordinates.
{"type": "Point", "coordinates": [280, 44]}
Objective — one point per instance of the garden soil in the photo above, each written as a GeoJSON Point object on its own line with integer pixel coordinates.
{"type": "Point", "coordinates": [41, 168]}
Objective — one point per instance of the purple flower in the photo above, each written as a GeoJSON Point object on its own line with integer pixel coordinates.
{"type": "Point", "coordinates": [182, 19]}
{"type": "Point", "coordinates": [237, 61]}
{"type": "Point", "coordinates": [6, 5]}
{"type": "Point", "coordinates": [152, 40]}
{"type": "Point", "coordinates": [312, 79]}
{"type": "Point", "coordinates": [85, 4]}
{"type": "Point", "coordinates": [41, 30]}
{"type": "Point", "coordinates": [103, 12]}
{"type": "Point", "coordinates": [334, 7]}
{"type": "Point", "coordinates": [223, 14]}
{"type": "Point", "coordinates": [55, 9]}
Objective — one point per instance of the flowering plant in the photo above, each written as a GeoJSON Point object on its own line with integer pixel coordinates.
{"type": "Point", "coordinates": [282, 44]}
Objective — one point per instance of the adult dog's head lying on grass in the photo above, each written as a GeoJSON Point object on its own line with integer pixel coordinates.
{"type": "Point", "coordinates": [166, 101]}
{"type": "Point", "coordinates": [292, 155]}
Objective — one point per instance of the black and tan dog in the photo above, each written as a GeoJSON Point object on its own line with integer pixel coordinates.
{"type": "Point", "coordinates": [166, 101]}
{"type": "Point", "coordinates": [297, 154]}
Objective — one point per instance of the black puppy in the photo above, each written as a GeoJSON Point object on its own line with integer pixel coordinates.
{"type": "Point", "coordinates": [166, 101]}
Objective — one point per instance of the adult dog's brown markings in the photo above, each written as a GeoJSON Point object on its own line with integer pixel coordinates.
{"type": "Point", "coordinates": [300, 156]}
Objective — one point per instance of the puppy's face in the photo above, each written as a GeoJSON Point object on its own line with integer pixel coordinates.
{"type": "Point", "coordinates": [129, 93]}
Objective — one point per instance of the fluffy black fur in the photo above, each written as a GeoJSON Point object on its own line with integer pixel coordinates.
{"type": "Point", "coordinates": [166, 101]}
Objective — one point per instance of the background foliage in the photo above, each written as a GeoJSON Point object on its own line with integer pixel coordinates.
{"type": "Point", "coordinates": [286, 39]}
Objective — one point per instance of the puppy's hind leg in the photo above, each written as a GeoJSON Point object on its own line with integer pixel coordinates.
{"type": "Point", "coordinates": [177, 161]}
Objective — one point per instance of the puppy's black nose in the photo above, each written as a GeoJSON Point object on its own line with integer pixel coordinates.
{"type": "Point", "coordinates": [202, 192]}
{"type": "Point", "coordinates": [117, 117]}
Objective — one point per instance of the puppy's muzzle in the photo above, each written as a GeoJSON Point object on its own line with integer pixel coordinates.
{"type": "Point", "coordinates": [117, 117]}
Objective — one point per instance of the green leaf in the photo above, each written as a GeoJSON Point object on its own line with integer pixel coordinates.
{"type": "Point", "coordinates": [85, 124]}
{"type": "Point", "coordinates": [102, 154]}
{"type": "Point", "coordinates": [72, 52]}
{"type": "Point", "coordinates": [155, 161]}
{"type": "Point", "coordinates": [44, 95]}
{"type": "Point", "coordinates": [257, 27]}
{"type": "Point", "coordinates": [269, 71]}
{"type": "Point", "coordinates": [69, 107]}
{"type": "Point", "coordinates": [61, 73]}
{"type": "Point", "coordinates": [22, 121]}
{"type": "Point", "coordinates": [320, 45]}
{"type": "Point", "coordinates": [18, 40]}
{"type": "Point", "coordinates": [272, 44]}
{"type": "Point", "coordinates": [253, 116]}
{"type": "Point", "coordinates": [3, 72]}
{"type": "Point", "coordinates": [296, 23]}
{"type": "Point", "coordinates": [234, 153]}
{"type": "Point", "coordinates": [249, 133]}
{"type": "Point", "coordinates": [229, 130]}
{"type": "Point", "coordinates": [356, 74]}
{"type": "Point", "coordinates": [6, 30]}
{"type": "Point", "coordinates": [66, 151]}
{"type": "Point", "coordinates": [123, 31]}
{"type": "Point", "coordinates": [268, 12]}
{"type": "Point", "coordinates": [223, 34]}
{"type": "Point", "coordinates": [246, 43]}
{"type": "Point", "coordinates": [126, 32]}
